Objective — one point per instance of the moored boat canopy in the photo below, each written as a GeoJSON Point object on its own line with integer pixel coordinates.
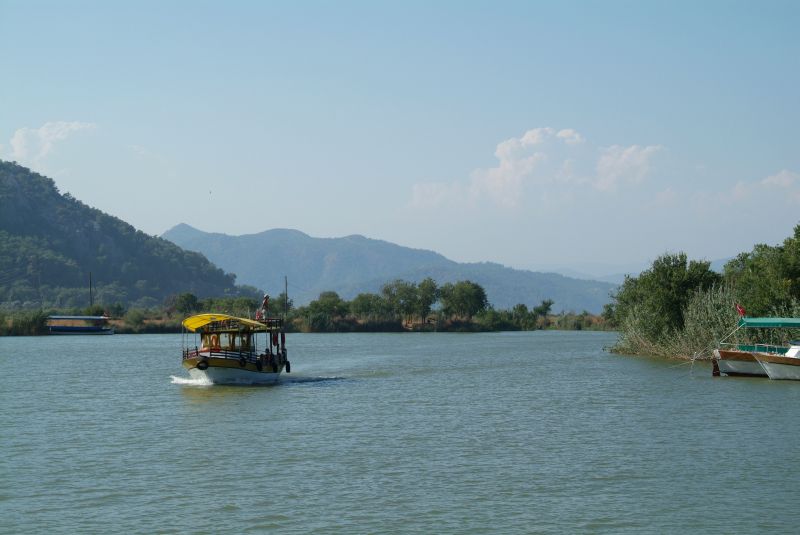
{"type": "Point", "coordinates": [201, 320]}
{"type": "Point", "coordinates": [770, 323]}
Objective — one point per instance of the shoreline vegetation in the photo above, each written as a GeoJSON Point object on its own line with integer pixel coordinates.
{"type": "Point", "coordinates": [682, 309]}
{"type": "Point", "coordinates": [401, 306]}
{"type": "Point", "coordinates": [675, 309]}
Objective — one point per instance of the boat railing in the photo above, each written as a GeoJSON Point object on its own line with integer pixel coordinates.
{"type": "Point", "coordinates": [248, 356]}
{"type": "Point", "coordinates": [757, 348]}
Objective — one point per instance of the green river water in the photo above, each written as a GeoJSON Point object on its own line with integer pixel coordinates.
{"type": "Point", "coordinates": [540, 432]}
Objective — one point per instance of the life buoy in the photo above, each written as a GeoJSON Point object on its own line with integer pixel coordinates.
{"type": "Point", "coordinates": [202, 365]}
{"type": "Point", "coordinates": [214, 341]}
{"type": "Point", "coordinates": [242, 362]}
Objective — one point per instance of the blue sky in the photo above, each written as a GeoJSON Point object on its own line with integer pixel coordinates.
{"type": "Point", "coordinates": [590, 135]}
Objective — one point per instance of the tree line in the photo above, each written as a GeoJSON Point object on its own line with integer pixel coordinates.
{"type": "Point", "coordinates": [399, 306]}
{"type": "Point", "coordinates": [681, 308]}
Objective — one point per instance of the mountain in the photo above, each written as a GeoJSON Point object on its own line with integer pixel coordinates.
{"type": "Point", "coordinates": [50, 243]}
{"type": "Point", "coordinates": [355, 264]}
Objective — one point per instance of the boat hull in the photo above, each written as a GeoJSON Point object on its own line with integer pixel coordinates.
{"type": "Point", "coordinates": [779, 367]}
{"type": "Point", "coordinates": [216, 370]}
{"type": "Point", "coordinates": [738, 363]}
{"type": "Point", "coordinates": [75, 330]}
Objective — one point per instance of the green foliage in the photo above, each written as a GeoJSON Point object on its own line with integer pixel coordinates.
{"type": "Point", "coordinates": [94, 310]}
{"type": "Point", "coordinates": [463, 299]}
{"type": "Point", "coordinates": [767, 277]}
{"type": "Point", "coordinates": [49, 243]}
{"type": "Point", "coordinates": [23, 323]}
{"type": "Point", "coordinates": [680, 310]}
{"type": "Point", "coordinates": [427, 295]}
{"type": "Point", "coordinates": [402, 297]}
{"type": "Point", "coordinates": [134, 319]}
{"type": "Point", "coordinates": [329, 304]}
{"type": "Point", "coordinates": [544, 308]}
{"type": "Point", "coordinates": [371, 307]}
{"type": "Point", "coordinates": [653, 303]}
{"type": "Point", "coordinates": [185, 303]}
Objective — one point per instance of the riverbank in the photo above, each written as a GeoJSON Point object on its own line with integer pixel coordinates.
{"type": "Point", "coordinates": [34, 323]}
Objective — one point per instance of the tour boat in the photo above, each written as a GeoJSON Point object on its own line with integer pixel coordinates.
{"type": "Point", "coordinates": [229, 349]}
{"type": "Point", "coordinates": [786, 366]}
{"type": "Point", "coordinates": [79, 325]}
{"type": "Point", "coordinates": [743, 359]}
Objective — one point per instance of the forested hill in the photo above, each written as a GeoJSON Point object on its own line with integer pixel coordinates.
{"type": "Point", "coordinates": [355, 264]}
{"type": "Point", "coordinates": [49, 243]}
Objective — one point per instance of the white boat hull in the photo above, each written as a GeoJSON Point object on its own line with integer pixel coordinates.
{"type": "Point", "coordinates": [780, 367]}
{"type": "Point", "coordinates": [739, 367]}
{"type": "Point", "coordinates": [215, 375]}
{"type": "Point", "coordinates": [738, 363]}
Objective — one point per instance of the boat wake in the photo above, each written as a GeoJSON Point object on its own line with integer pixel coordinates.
{"type": "Point", "coordinates": [305, 380]}
{"type": "Point", "coordinates": [187, 381]}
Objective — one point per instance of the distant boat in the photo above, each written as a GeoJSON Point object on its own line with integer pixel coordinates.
{"type": "Point", "coordinates": [227, 349]}
{"type": "Point", "coordinates": [748, 359]}
{"type": "Point", "coordinates": [79, 325]}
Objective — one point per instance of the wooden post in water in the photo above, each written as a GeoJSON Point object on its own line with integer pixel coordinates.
{"type": "Point", "coordinates": [714, 368]}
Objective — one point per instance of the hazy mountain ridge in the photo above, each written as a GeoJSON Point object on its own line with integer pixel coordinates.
{"type": "Point", "coordinates": [356, 264]}
{"type": "Point", "coordinates": [49, 243]}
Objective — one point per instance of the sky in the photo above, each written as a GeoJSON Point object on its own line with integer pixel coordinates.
{"type": "Point", "coordinates": [592, 136]}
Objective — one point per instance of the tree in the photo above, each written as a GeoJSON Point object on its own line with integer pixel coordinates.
{"type": "Point", "coordinates": [543, 309]}
{"type": "Point", "coordinates": [278, 304]}
{"type": "Point", "coordinates": [463, 299]}
{"type": "Point", "coordinates": [768, 278]}
{"type": "Point", "coordinates": [186, 303]}
{"type": "Point", "coordinates": [427, 295]}
{"type": "Point", "coordinates": [402, 297]}
{"type": "Point", "coordinates": [329, 304]}
{"type": "Point", "coordinates": [367, 306]}
{"type": "Point", "coordinates": [656, 299]}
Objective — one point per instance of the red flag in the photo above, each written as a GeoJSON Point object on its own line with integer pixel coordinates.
{"type": "Point", "coordinates": [740, 309]}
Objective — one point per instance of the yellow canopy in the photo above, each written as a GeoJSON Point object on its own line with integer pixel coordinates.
{"type": "Point", "coordinates": [200, 320]}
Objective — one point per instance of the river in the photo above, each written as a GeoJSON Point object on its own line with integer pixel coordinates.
{"type": "Point", "coordinates": [539, 432]}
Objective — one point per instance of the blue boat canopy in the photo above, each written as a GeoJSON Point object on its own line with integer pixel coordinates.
{"type": "Point", "coordinates": [770, 323]}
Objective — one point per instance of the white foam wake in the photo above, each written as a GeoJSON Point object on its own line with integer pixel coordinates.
{"type": "Point", "coordinates": [189, 381]}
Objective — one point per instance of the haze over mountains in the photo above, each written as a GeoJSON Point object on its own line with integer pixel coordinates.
{"type": "Point", "coordinates": [50, 242]}
{"type": "Point", "coordinates": [355, 264]}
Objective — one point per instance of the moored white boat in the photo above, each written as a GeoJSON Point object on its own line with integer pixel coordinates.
{"type": "Point", "coordinates": [742, 359]}
{"type": "Point", "coordinates": [228, 349]}
{"type": "Point", "coordinates": [786, 366]}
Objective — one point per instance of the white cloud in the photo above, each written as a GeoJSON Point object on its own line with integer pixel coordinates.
{"type": "Point", "coordinates": [570, 136]}
{"type": "Point", "coordinates": [783, 179]}
{"type": "Point", "coordinates": [32, 145]}
{"type": "Point", "coordinates": [783, 185]}
{"type": "Point", "coordinates": [555, 161]}
{"type": "Point", "coordinates": [623, 164]}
